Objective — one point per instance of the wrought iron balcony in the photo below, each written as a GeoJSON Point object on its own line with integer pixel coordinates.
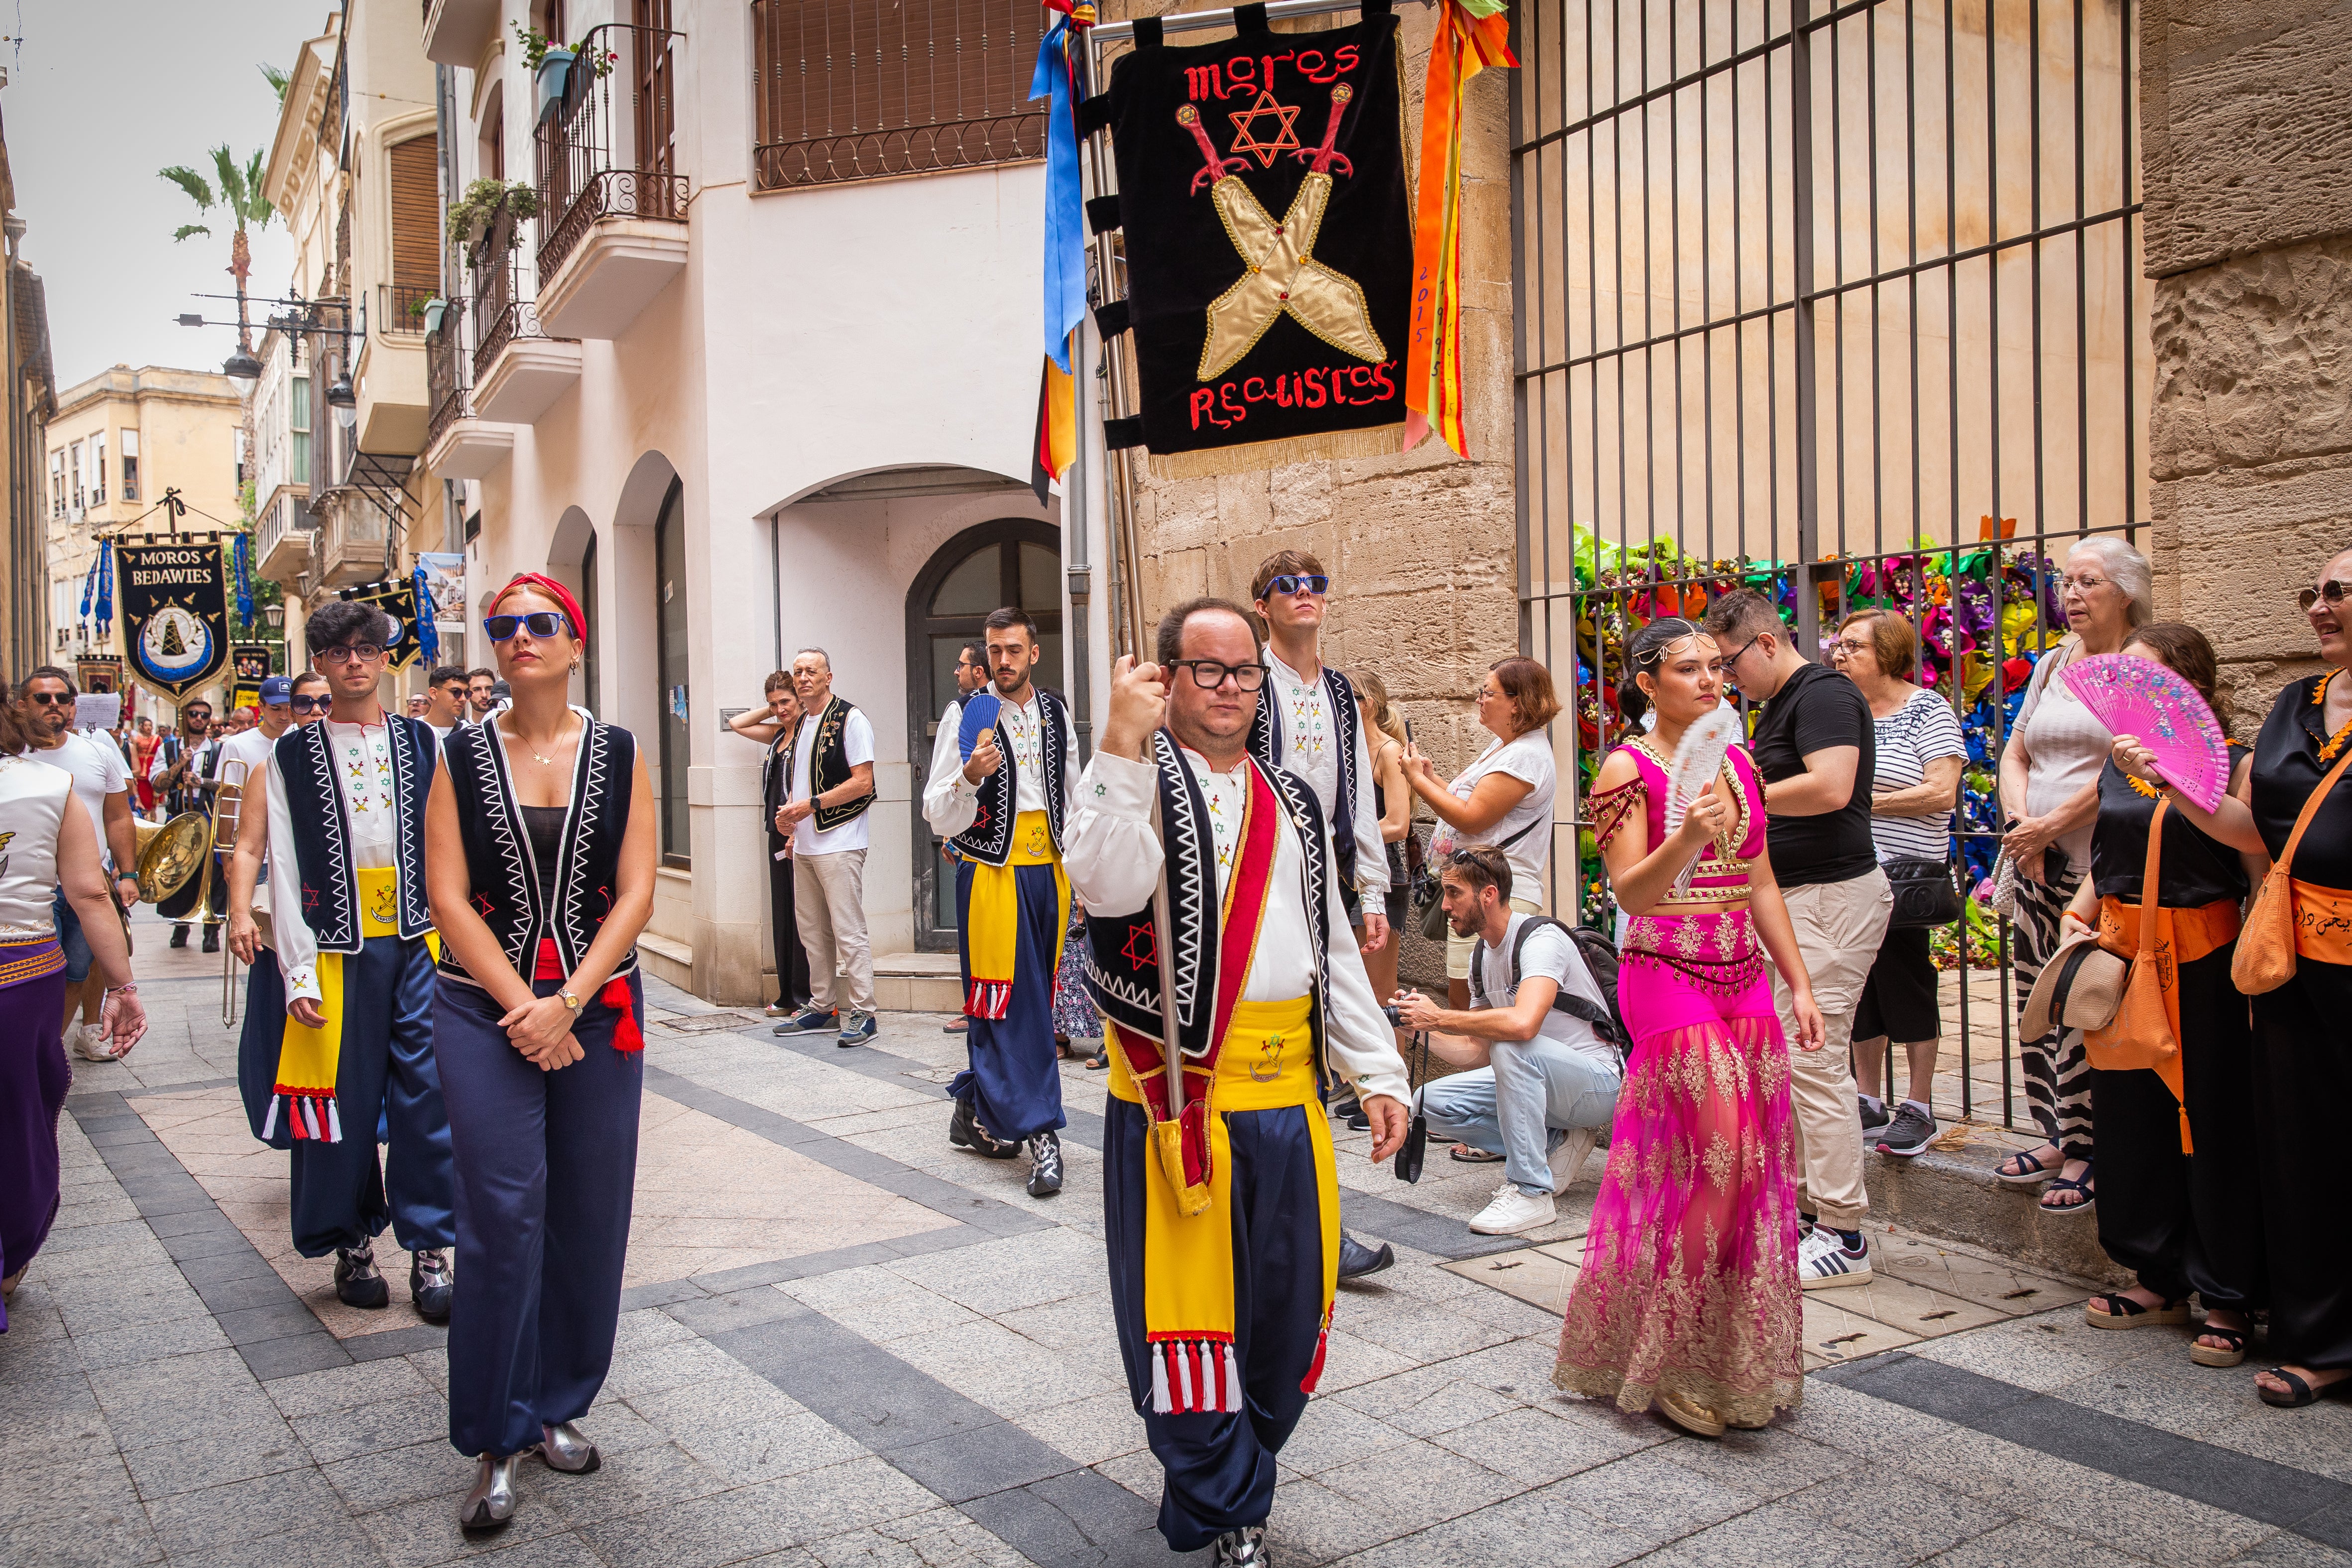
{"type": "Point", "coordinates": [448, 373]}
{"type": "Point", "coordinates": [400, 307]}
{"type": "Point", "coordinates": [500, 309]}
{"type": "Point", "coordinates": [518, 367]}
{"type": "Point", "coordinates": [607, 148]}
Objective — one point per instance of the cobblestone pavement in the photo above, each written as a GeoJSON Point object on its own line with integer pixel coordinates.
{"type": "Point", "coordinates": [844, 1342]}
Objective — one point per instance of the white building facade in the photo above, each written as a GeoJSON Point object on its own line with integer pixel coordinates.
{"type": "Point", "coordinates": [760, 375]}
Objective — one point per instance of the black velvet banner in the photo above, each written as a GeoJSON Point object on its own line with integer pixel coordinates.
{"type": "Point", "coordinates": [1262, 189]}
{"type": "Point", "coordinates": [174, 614]}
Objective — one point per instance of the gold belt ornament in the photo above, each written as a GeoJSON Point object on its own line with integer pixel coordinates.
{"type": "Point", "coordinates": [1280, 275]}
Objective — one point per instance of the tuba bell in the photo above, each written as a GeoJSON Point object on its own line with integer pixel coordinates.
{"type": "Point", "coordinates": [170, 853]}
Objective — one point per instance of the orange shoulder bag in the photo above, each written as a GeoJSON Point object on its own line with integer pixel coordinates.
{"type": "Point", "coordinates": [2265, 959]}
{"type": "Point", "coordinates": [2141, 1036]}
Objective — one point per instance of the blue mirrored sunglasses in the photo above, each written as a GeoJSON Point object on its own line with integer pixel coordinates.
{"type": "Point", "coordinates": [538, 623]}
{"type": "Point", "coordinates": [1314, 582]}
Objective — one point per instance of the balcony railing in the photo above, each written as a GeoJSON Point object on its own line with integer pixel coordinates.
{"type": "Point", "coordinates": [608, 148]}
{"type": "Point", "coordinates": [448, 373]}
{"type": "Point", "coordinates": [400, 307]}
{"type": "Point", "coordinates": [500, 312]}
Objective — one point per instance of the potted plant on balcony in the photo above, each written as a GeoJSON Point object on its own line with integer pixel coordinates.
{"type": "Point", "coordinates": [432, 310]}
{"type": "Point", "coordinates": [550, 64]}
{"type": "Point", "coordinates": [473, 216]}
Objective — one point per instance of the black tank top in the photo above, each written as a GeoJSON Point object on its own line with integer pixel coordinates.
{"type": "Point", "coordinates": [545, 825]}
{"type": "Point", "coordinates": [2195, 871]}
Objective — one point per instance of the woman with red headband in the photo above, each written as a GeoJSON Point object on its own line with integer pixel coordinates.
{"type": "Point", "coordinates": [539, 846]}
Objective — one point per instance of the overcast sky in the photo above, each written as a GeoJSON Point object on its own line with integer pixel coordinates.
{"type": "Point", "coordinates": [103, 93]}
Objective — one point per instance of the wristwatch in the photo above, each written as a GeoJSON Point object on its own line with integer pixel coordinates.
{"type": "Point", "coordinates": [571, 1001]}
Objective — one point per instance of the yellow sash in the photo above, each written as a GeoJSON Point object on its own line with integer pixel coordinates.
{"type": "Point", "coordinates": [308, 1057]}
{"type": "Point", "coordinates": [993, 919]}
{"type": "Point", "coordinates": [1267, 1064]}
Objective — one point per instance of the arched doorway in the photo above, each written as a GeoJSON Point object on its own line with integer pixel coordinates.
{"type": "Point", "coordinates": [1012, 561]}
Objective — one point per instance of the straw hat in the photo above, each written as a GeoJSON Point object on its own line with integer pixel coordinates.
{"type": "Point", "coordinates": [2081, 987]}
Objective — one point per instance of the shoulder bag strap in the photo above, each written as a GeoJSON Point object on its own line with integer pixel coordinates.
{"type": "Point", "coordinates": [2149, 895]}
{"type": "Point", "coordinates": [2310, 809]}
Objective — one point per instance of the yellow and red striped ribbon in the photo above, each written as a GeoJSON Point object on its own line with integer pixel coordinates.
{"type": "Point", "coordinates": [1471, 35]}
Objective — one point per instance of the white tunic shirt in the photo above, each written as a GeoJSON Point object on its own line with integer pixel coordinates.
{"type": "Point", "coordinates": [1113, 859]}
{"type": "Point", "coordinates": [1310, 748]}
{"type": "Point", "coordinates": [363, 754]}
{"type": "Point", "coordinates": [949, 804]}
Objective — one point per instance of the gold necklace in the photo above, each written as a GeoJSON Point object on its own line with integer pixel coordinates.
{"type": "Point", "coordinates": [542, 761]}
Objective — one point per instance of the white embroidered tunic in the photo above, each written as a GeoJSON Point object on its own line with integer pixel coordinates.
{"type": "Point", "coordinates": [363, 754]}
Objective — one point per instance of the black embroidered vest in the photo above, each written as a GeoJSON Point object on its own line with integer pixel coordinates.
{"type": "Point", "coordinates": [988, 839]}
{"type": "Point", "coordinates": [1123, 964]}
{"type": "Point", "coordinates": [503, 866]}
{"type": "Point", "coordinates": [831, 767]}
{"type": "Point", "coordinates": [329, 888]}
{"type": "Point", "coordinates": [1265, 745]}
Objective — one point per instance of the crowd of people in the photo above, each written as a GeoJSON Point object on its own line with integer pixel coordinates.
{"type": "Point", "coordinates": [440, 911]}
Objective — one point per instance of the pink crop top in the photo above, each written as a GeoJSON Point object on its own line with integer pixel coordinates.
{"type": "Point", "coordinates": [1719, 875]}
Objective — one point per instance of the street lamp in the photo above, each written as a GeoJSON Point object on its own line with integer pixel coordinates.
{"type": "Point", "coordinates": [341, 398]}
{"type": "Point", "coordinates": [242, 365]}
{"type": "Point", "coordinates": [273, 616]}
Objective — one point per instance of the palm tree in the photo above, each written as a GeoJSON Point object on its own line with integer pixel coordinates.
{"type": "Point", "coordinates": [240, 199]}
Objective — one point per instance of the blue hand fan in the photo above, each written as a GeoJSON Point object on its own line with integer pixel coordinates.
{"type": "Point", "coordinates": [979, 714]}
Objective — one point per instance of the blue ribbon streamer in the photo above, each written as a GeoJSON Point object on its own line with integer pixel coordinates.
{"type": "Point", "coordinates": [105, 586]}
{"type": "Point", "coordinates": [241, 569]}
{"type": "Point", "coordinates": [89, 587]}
{"type": "Point", "coordinates": [1065, 213]}
{"type": "Point", "coordinates": [429, 637]}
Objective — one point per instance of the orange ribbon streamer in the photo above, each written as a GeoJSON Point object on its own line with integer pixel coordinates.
{"type": "Point", "coordinates": [1466, 43]}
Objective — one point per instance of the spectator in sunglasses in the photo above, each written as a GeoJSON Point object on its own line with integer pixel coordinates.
{"type": "Point", "coordinates": [45, 707]}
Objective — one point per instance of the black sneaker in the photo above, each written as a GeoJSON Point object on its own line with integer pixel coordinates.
{"type": "Point", "coordinates": [1874, 1118]}
{"type": "Point", "coordinates": [1909, 1135]}
{"type": "Point", "coordinates": [357, 1283]}
{"type": "Point", "coordinates": [429, 1284]}
{"type": "Point", "coordinates": [1046, 1165]}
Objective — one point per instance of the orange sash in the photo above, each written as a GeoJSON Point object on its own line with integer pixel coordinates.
{"type": "Point", "coordinates": [2323, 922]}
{"type": "Point", "coordinates": [2182, 936]}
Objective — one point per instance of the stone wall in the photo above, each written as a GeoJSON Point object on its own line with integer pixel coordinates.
{"type": "Point", "coordinates": [2248, 226]}
{"type": "Point", "coordinates": [1420, 545]}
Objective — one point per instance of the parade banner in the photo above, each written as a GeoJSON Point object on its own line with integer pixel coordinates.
{"type": "Point", "coordinates": [249, 663]}
{"type": "Point", "coordinates": [398, 600]}
{"type": "Point", "coordinates": [98, 673]}
{"type": "Point", "coordinates": [174, 615]}
{"type": "Point", "coordinates": [1269, 250]}
{"type": "Point", "coordinates": [444, 572]}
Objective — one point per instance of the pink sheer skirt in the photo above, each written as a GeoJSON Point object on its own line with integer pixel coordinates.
{"type": "Point", "coordinates": [1689, 1279]}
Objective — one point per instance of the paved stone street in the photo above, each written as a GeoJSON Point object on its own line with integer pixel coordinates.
{"type": "Point", "coordinates": [844, 1342]}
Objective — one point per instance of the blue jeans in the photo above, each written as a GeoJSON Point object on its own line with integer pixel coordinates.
{"type": "Point", "coordinates": [1535, 1088]}
{"type": "Point", "coordinates": [69, 938]}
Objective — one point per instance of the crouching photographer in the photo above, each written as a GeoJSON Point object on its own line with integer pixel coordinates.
{"type": "Point", "coordinates": [1544, 1081]}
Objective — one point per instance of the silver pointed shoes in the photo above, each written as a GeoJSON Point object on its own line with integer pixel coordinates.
{"type": "Point", "coordinates": [565, 1449]}
{"type": "Point", "coordinates": [491, 1504]}
{"type": "Point", "coordinates": [1243, 1548]}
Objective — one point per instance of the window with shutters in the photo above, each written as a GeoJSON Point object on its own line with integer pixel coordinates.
{"type": "Point", "coordinates": [98, 469]}
{"type": "Point", "coordinates": [863, 90]}
{"type": "Point", "coordinates": [130, 464]}
{"type": "Point", "coordinates": [415, 178]}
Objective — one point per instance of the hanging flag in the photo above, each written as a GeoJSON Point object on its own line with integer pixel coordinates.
{"type": "Point", "coordinates": [105, 589]}
{"type": "Point", "coordinates": [1056, 445]}
{"type": "Point", "coordinates": [1471, 36]}
{"type": "Point", "coordinates": [1056, 79]}
{"type": "Point", "coordinates": [428, 638]}
{"type": "Point", "coordinates": [174, 614]}
{"type": "Point", "coordinates": [241, 576]}
{"type": "Point", "coordinates": [396, 597]}
{"type": "Point", "coordinates": [89, 587]}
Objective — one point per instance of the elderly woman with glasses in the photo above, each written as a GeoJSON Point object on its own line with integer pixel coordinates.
{"type": "Point", "coordinates": [2050, 802]}
{"type": "Point", "coordinates": [1504, 797]}
{"type": "Point", "coordinates": [2302, 1071]}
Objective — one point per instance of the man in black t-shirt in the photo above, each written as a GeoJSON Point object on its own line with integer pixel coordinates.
{"type": "Point", "coordinates": [1816, 749]}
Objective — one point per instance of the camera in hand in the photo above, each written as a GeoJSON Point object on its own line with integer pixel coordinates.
{"type": "Point", "coordinates": [1394, 1015]}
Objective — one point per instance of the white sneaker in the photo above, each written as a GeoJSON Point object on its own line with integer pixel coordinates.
{"type": "Point", "coordinates": [1512, 1212]}
{"type": "Point", "coordinates": [1824, 1264]}
{"type": "Point", "coordinates": [1568, 1156]}
{"type": "Point", "coordinates": [85, 1042]}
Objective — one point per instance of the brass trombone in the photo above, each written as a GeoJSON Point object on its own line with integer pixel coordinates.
{"type": "Point", "coordinates": [228, 812]}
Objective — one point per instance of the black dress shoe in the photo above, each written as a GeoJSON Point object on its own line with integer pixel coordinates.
{"type": "Point", "coordinates": [1046, 1167]}
{"type": "Point", "coordinates": [179, 936]}
{"type": "Point", "coordinates": [211, 939]}
{"type": "Point", "coordinates": [1356, 1260]}
{"type": "Point", "coordinates": [430, 1285]}
{"type": "Point", "coordinates": [964, 1131]}
{"type": "Point", "coordinates": [357, 1282]}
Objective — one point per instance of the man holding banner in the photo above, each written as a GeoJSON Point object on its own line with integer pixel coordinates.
{"type": "Point", "coordinates": [1003, 812]}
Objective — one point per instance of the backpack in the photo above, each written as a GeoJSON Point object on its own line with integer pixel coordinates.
{"type": "Point", "coordinates": [1600, 957]}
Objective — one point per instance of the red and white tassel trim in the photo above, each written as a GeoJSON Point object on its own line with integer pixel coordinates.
{"type": "Point", "coordinates": [1195, 1377]}
{"type": "Point", "coordinates": [311, 1116]}
{"type": "Point", "coordinates": [988, 999]}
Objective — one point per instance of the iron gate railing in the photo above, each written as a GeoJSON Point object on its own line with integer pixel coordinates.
{"type": "Point", "coordinates": [1809, 294]}
{"type": "Point", "coordinates": [606, 149]}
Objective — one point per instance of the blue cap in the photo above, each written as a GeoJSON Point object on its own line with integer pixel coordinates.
{"type": "Point", "coordinates": [275, 690]}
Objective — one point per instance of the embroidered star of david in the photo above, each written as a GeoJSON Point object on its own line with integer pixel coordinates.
{"type": "Point", "coordinates": [310, 897]}
{"type": "Point", "coordinates": [1142, 948]}
{"type": "Point", "coordinates": [1286, 135]}
{"type": "Point", "coordinates": [482, 902]}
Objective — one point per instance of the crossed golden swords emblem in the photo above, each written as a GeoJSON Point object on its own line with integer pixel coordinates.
{"type": "Point", "coordinates": [1280, 275]}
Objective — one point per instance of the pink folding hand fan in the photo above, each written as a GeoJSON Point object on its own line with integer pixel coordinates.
{"type": "Point", "coordinates": [2134, 696]}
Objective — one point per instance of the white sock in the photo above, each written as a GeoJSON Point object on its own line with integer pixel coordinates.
{"type": "Point", "coordinates": [1922, 1108]}
{"type": "Point", "coordinates": [1877, 1106]}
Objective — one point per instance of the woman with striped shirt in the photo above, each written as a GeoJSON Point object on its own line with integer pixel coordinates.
{"type": "Point", "coordinates": [1914, 786]}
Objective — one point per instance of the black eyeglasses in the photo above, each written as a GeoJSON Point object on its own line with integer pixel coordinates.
{"type": "Point", "coordinates": [2333, 591]}
{"type": "Point", "coordinates": [309, 704]}
{"type": "Point", "coordinates": [1209, 674]}
{"type": "Point", "coordinates": [347, 653]}
{"type": "Point", "coordinates": [50, 699]}
{"type": "Point", "coordinates": [1314, 582]}
{"type": "Point", "coordinates": [541, 623]}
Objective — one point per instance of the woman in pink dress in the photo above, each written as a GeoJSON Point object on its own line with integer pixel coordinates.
{"type": "Point", "coordinates": [1687, 1295]}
